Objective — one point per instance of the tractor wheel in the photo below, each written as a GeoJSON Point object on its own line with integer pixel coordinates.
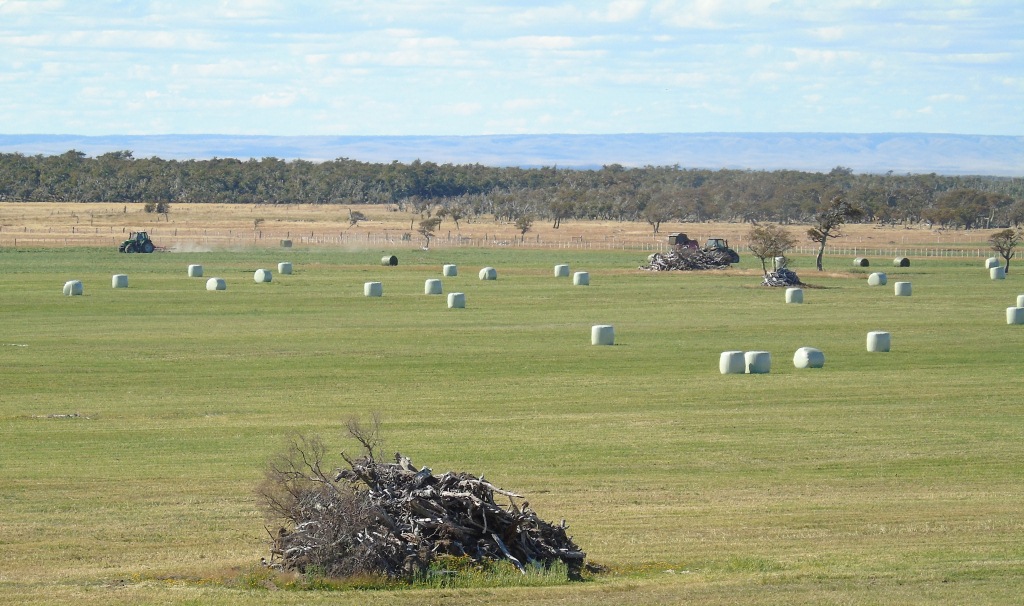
{"type": "Point", "coordinates": [130, 248]}
{"type": "Point", "coordinates": [147, 247]}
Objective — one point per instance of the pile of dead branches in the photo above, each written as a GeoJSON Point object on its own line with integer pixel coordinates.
{"type": "Point", "coordinates": [687, 259]}
{"type": "Point", "coordinates": [396, 520]}
{"type": "Point", "coordinates": [782, 277]}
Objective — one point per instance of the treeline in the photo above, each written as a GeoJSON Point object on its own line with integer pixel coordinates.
{"type": "Point", "coordinates": [654, 194]}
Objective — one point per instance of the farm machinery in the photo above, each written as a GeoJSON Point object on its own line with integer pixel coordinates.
{"type": "Point", "coordinates": [138, 241]}
{"type": "Point", "coordinates": [716, 249]}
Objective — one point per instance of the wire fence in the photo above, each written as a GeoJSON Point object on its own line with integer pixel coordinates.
{"type": "Point", "coordinates": [185, 238]}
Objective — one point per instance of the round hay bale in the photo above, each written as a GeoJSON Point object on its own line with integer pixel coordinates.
{"type": "Point", "coordinates": [808, 357]}
{"type": "Point", "coordinates": [284, 268]}
{"type": "Point", "coordinates": [389, 261]}
{"type": "Point", "coordinates": [757, 362]}
{"type": "Point", "coordinates": [877, 279]}
{"type": "Point", "coordinates": [449, 271]}
{"type": "Point", "coordinates": [286, 243]}
{"type": "Point", "coordinates": [195, 271]}
{"type": "Point", "coordinates": [432, 287]}
{"type": "Point", "coordinates": [794, 295]}
{"type": "Point", "coordinates": [456, 300]}
{"type": "Point", "coordinates": [73, 288]}
{"type": "Point", "coordinates": [602, 334]}
{"type": "Point", "coordinates": [488, 273]}
{"type": "Point", "coordinates": [1020, 300]}
{"type": "Point", "coordinates": [581, 278]}
{"type": "Point", "coordinates": [216, 284]}
{"type": "Point", "coordinates": [879, 341]}
{"type": "Point", "coordinates": [997, 273]}
{"type": "Point", "coordinates": [1015, 315]}
{"type": "Point", "coordinates": [731, 363]}
{"type": "Point", "coordinates": [373, 289]}
{"type": "Point", "coordinates": [119, 281]}
{"type": "Point", "coordinates": [262, 275]}
{"type": "Point", "coordinates": [562, 271]}
{"type": "Point", "coordinates": [861, 262]}
{"type": "Point", "coordinates": [991, 262]}
{"type": "Point", "coordinates": [901, 262]}
{"type": "Point", "coordinates": [902, 289]}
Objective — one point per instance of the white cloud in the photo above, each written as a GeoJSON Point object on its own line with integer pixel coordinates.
{"type": "Point", "coordinates": [274, 100]}
{"type": "Point", "coordinates": [464, 109]}
{"type": "Point", "coordinates": [620, 11]}
{"type": "Point", "coordinates": [958, 98]}
{"type": "Point", "coordinates": [829, 34]}
{"type": "Point", "coordinates": [457, 67]}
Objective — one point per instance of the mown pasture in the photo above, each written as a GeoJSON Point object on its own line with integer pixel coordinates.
{"type": "Point", "coordinates": [135, 423]}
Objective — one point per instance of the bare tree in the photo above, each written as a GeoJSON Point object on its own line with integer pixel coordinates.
{"type": "Point", "coordinates": [769, 241]}
{"type": "Point", "coordinates": [1004, 242]}
{"type": "Point", "coordinates": [829, 221]}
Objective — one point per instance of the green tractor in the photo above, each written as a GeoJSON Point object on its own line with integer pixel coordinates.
{"type": "Point", "coordinates": [720, 248]}
{"type": "Point", "coordinates": [137, 242]}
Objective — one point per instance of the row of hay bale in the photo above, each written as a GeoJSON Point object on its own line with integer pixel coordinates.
{"type": "Point", "coordinates": [760, 362]}
{"type": "Point", "coordinates": [795, 295]}
{"type": "Point", "coordinates": [75, 287]}
{"type": "Point", "coordinates": [897, 262]}
{"type": "Point", "coordinates": [434, 286]}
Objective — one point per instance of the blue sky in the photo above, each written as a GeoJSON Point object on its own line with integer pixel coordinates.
{"type": "Point", "coordinates": [441, 67]}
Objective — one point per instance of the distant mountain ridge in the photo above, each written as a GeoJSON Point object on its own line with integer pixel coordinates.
{"type": "Point", "coordinates": [814, 152]}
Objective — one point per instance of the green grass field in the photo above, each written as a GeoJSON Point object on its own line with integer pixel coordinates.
{"type": "Point", "coordinates": [882, 478]}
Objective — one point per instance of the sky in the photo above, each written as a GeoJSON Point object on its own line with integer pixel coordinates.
{"type": "Point", "coordinates": [442, 67]}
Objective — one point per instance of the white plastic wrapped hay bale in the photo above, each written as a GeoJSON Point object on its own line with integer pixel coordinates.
{"type": "Point", "coordinates": [902, 289]}
{"type": "Point", "coordinates": [991, 262]}
{"type": "Point", "coordinates": [581, 278]}
{"type": "Point", "coordinates": [284, 268]}
{"type": "Point", "coordinates": [216, 284]}
{"type": "Point", "coordinates": [488, 273]}
{"type": "Point", "coordinates": [901, 262]}
{"type": "Point", "coordinates": [997, 273]}
{"type": "Point", "coordinates": [195, 271]}
{"type": "Point", "coordinates": [602, 334]}
{"type": "Point", "coordinates": [373, 289]}
{"type": "Point", "coordinates": [878, 279]}
{"type": "Point", "coordinates": [1015, 315]}
{"type": "Point", "coordinates": [808, 357]}
{"type": "Point", "coordinates": [119, 281]}
{"type": "Point", "coordinates": [432, 287]}
{"type": "Point", "coordinates": [562, 271]}
{"type": "Point", "coordinates": [879, 341]}
{"type": "Point", "coordinates": [731, 363]}
{"type": "Point", "coordinates": [781, 262]}
{"type": "Point", "coordinates": [861, 262]}
{"type": "Point", "coordinates": [757, 362]}
{"type": "Point", "coordinates": [1020, 300]}
{"type": "Point", "coordinates": [73, 288]}
{"type": "Point", "coordinates": [261, 276]}
{"type": "Point", "coordinates": [794, 295]}
{"type": "Point", "coordinates": [449, 271]}
{"type": "Point", "coordinates": [456, 300]}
